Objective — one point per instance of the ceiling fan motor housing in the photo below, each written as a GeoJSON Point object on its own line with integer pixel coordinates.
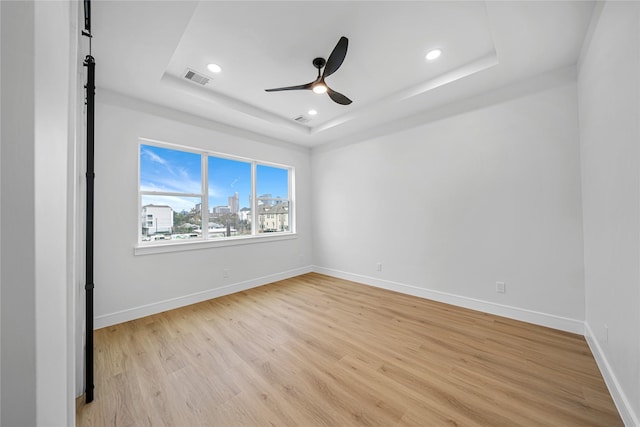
{"type": "Point", "coordinates": [319, 63]}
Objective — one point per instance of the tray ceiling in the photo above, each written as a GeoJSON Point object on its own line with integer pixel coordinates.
{"type": "Point", "coordinates": [143, 50]}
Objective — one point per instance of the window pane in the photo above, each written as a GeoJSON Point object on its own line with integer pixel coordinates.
{"type": "Point", "coordinates": [229, 197]}
{"type": "Point", "coordinates": [163, 169]}
{"type": "Point", "coordinates": [171, 218]}
{"type": "Point", "coordinates": [272, 182]}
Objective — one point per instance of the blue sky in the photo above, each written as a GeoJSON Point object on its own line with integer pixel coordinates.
{"type": "Point", "coordinates": [163, 169]}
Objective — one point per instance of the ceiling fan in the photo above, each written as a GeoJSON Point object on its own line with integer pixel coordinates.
{"type": "Point", "coordinates": [330, 66]}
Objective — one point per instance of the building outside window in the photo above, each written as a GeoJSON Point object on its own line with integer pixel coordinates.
{"type": "Point", "coordinates": [273, 216]}
{"type": "Point", "coordinates": [156, 219]}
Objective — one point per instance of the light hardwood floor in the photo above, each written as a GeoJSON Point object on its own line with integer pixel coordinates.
{"type": "Point", "coordinates": [319, 351]}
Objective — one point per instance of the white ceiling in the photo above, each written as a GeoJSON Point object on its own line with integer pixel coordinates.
{"type": "Point", "coordinates": [142, 49]}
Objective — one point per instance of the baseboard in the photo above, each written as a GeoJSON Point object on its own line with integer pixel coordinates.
{"type": "Point", "coordinates": [629, 417]}
{"type": "Point", "coordinates": [538, 318]}
{"type": "Point", "coordinates": [170, 304]}
{"type": "Point", "coordinates": [529, 316]}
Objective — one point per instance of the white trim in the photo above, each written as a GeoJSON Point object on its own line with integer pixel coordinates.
{"type": "Point", "coordinates": [168, 193]}
{"type": "Point", "coordinates": [206, 152]}
{"type": "Point", "coordinates": [625, 409]}
{"type": "Point", "coordinates": [538, 318]}
{"type": "Point", "coordinates": [170, 304]}
{"type": "Point", "coordinates": [529, 316]}
{"type": "Point", "coordinates": [162, 247]}
{"type": "Point", "coordinates": [254, 199]}
{"type": "Point", "coordinates": [292, 200]}
{"type": "Point", "coordinates": [204, 197]}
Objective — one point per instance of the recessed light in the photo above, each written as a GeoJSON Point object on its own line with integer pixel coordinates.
{"type": "Point", "coordinates": [214, 68]}
{"type": "Point", "coordinates": [433, 54]}
{"type": "Point", "coordinates": [312, 112]}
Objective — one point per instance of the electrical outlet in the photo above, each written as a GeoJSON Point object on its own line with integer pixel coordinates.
{"type": "Point", "coordinates": [225, 273]}
{"type": "Point", "coordinates": [501, 287]}
{"type": "Point", "coordinates": [379, 266]}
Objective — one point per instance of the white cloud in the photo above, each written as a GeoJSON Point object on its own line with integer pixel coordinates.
{"type": "Point", "coordinates": [153, 156]}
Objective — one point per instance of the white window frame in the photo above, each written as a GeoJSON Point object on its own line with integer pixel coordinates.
{"type": "Point", "coordinates": [163, 246]}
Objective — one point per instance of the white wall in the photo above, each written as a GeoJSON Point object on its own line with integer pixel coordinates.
{"type": "Point", "coordinates": [18, 371]}
{"type": "Point", "coordinates": [36, 380]}
{"type": "Point", "coordinates": [55, 55]}
{"type": "Point", "coordinates": [609, 103]}
{"type": "Point", "coordinates": [453, 206]}
{"type": "Point", "coordinates": [128, 286]}
{"type": "Point", "coordinates": [0, 217]}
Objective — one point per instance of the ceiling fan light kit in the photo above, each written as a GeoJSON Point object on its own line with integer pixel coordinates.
{"type": "Point", "coordinates": [330, 66]}
{"type": "Point", "coordinates": [319, 88]}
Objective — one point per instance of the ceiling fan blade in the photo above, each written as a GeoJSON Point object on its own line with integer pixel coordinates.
{"type": "Point", "coordinates": [337, 56]}
{"type": "Point", "coordinates": [298, 87]}
{"type": "Point", "coordinates": [338, 97]}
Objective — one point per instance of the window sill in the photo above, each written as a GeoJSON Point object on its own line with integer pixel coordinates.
{"type": "Point", "coordinates": [165, 247]}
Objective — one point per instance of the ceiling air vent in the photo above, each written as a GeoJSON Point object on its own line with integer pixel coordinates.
{"type": "Point", "coordinates": [195, 77]}
{"type": "Point", "coordinates": [301, 119]}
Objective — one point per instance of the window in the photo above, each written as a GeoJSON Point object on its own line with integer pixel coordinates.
{"type": "Point", "coordinates": [191, 195]}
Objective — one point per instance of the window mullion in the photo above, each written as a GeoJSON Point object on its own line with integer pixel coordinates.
{"type": "Point", "coordinates": [254, 201]}
{"type": "Point", "coordinates": [205, 197]}
{"type": "Point", "coordinates": [290, 196]}
{"type": "Point", "coordinates": [169, 193]}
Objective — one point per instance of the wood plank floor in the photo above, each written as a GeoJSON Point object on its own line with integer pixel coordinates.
{"type": "Point", "coordinates": [319, 351]}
